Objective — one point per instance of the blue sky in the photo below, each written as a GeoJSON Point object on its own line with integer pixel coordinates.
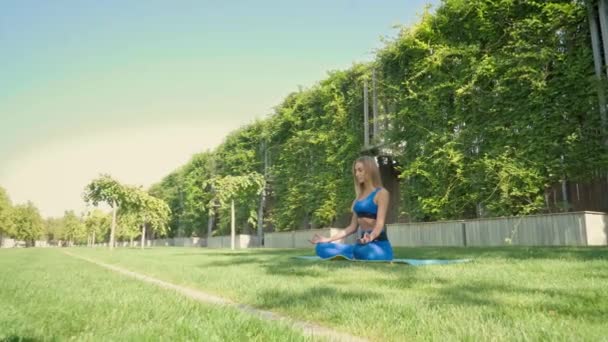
{"type": "Point", "coordinates": [134, 88]}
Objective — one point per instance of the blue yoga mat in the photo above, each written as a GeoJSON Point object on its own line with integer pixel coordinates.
{"type": "Point", "coordinates": [412, 262]}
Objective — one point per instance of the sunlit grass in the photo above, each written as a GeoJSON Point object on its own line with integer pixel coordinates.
{"type": "Point", "coordinates": [46, 295]}
{"type": "Point", "coordinates": [505, 294]}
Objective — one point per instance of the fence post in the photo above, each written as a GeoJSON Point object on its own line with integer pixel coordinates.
{"type": "Point", "coordinates": [464, 233]}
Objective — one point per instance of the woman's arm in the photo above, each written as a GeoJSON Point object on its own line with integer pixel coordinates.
{"type": "Point", "coordinates": [352, 228]}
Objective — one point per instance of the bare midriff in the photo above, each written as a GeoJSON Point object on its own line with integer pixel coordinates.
{"type": "Point", "coordinates": [366, 223]}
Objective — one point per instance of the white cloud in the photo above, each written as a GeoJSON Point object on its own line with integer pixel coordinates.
{"type": "Point", "coordinates": [53, 176]}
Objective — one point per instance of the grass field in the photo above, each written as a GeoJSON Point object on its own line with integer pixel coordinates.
{"type": "Point", "coordinates": [48, 296]}
{"type": "Point", "coordinates": [505, 294]}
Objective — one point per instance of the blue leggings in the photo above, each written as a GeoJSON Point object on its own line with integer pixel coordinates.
{"type": "Point", "coordinates": [377, 250]}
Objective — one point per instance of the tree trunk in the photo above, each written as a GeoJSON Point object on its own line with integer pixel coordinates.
{"type": "Point", "coordinates": [143, 236]}
{"type": "Point", "coordinates": [209, 225]}
{"type": "Point", "coordinates": [113, 229]}
{"type": "Point", "coordinates": [232, 227]}
{"type": "Point", "coordinates": [261, 215]}
{"type": "Point", "coordinates": [596, 42]}
{"type": "Point", "coordinates": [93, 238]}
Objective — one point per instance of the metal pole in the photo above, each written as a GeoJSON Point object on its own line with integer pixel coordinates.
{"type": "Point", "coordinates": [209, 224]}
{"type": "Point", "coordinates": [374, 108]}
{"type": "Point", "coordinates": [597, 61]}
{"type": "Point", "coordinates": [180, 228]}
{"type": "Point", "coordinates": [113, 228]}
{"type": "Point", "coordinates": [211, 214]}
{"type": "Point", "coordinates": [565, 188]}
{"type": "Point", "coordinates": [262, 197]}
{"type": "Point", "coordinates": [143, 235]}
{"type": "Point", "coordinates": [365, 116]}
{"type": "Point", "coordinates": [603, 18]}
{"type": "Point", "coordinates": [232, 228]}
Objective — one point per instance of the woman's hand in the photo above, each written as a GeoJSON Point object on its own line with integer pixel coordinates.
{"type": "Point", "coordinates": [367, 238]}
{"type": "Point", "coordinates": [319, 239]}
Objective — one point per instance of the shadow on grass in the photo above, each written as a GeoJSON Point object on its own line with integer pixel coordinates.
{"type": "Point", "coordinates": [556, 302]}
{"type": "Point", "coordinates": [233, 261]}
{"type": "Point", "coordinates": [466, 286]}
{"type": "Point", "coordinates": [14, 338]}
{"type": "Point", "coordinates": [511, 252]}
{"type": "Point", "coordinates": [315, 298]}
{"type": "Point", "coordinates": [514, 252]}
{"type": "Point", "coordinates": [291, 267]}
{"type": "Point", "coordinates": [283, 263]}
{"type": "Point", "coordinates": [263, 251]}
{"type": "Point", "coordinates": [502, 252]}
{"type": "Point", "coordinates": [568, 301]}
{"type": "Point", "coordinates": [244, 252]}
{"type": "Point", "coordinates": [476, 253]}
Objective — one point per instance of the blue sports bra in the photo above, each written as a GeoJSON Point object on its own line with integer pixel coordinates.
{"type": "Point", "coordinates": [366, 207]}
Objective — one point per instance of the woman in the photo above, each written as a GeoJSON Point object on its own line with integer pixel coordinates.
{"type": "Point", "coordinates": [369, 214]}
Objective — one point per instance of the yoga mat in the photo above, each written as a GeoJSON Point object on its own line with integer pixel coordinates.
{"type": "Point", "coordinates": [412, 262]}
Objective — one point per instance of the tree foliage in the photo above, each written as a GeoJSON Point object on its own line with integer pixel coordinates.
{"type": "Point", "coordinates": [488, 104]}
{"type": "Point", "coordinates": [7, 224]}
{"type": "Point", "coordinates": [97, 224]}
{"type": "Point", "coordinates": [497, 101]}
{"type": "Point", "coordinates": [74, 229]}
{"type": "Point", "coordinates": [243, 190]}
{"type": "Point", "coordinates": [28, 223]}
{"type": "Point", "coordinates": [134, 206]}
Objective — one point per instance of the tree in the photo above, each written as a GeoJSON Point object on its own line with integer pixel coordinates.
{"type": "Point", "coordinates": [488, 103]}
{"type": "Point", "coordinates": [106, 189]}
{"type": "Point", "coordinates": [186, 196]}
{"type": "Point", "coordinates": [128, 225]}
{"type": "Point", "coordinates": [144, 212]}
{"type": "Point", "coordinates": [54, 229]}
{"type": "Point", "coordinates": [230, 189]}
{"type": "Point", "coordinates": [136, 207]}
{"type": "Point", "coordinates": [7, 224]}
{"type": "Point", "coordinates": [151, 212]}
{"type": "Point", "coordinates": [28, 223]}
{"type": "Point", "coordinates": [97, 224]}
{"type": "Point", "coordinates": [74, 228]}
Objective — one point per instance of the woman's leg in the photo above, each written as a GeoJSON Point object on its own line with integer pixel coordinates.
{"type": "Point", "coordinates": [377, 250]}
{"type": "Point", "coordinates": [327, 250]}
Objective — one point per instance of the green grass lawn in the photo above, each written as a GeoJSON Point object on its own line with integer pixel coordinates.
{"type": "Point", "coordinates": [505, 294]}
{"type": "Point", "coordinates": [509, 293]}
{"type": "Point", "coordinates": [46, 295]}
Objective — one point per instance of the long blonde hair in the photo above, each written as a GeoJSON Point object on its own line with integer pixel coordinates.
{"type": "Point", "coordinates": [371, 170]}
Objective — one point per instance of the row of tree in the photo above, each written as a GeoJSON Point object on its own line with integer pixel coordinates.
{"type": "Point", "coordinates": [24, 222]}
{"type": "Point", "coordinates": [134, 211]}
{"type": "Point", "coordinates": [483, 105]}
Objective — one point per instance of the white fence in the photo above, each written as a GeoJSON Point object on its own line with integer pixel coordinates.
{"type": "Point", "coordinates": [448, 233]}
{"type": "Point", "coordinates": [179, 242]}
{"type": "Point", "coordinates": [240, 241]}
{"type": "Point", "coordinates": [12, 243]}
{"type": "Point", "coordinates": [563, 229]}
